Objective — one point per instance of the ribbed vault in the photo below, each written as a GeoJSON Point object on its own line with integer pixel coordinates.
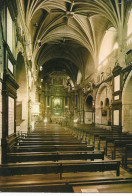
{"type": "Point", "coordinates": [67, 33]}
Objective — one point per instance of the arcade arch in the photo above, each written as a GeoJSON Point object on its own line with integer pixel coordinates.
{"type": "Point", "coordinates": [22, 95]}
{"type": "Point", "coordinates": [89, 112]}
{"type": "Point", "coordinates": [103, 105]}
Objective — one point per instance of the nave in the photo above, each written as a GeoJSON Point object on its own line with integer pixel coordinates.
{"type": "Point", "coordinates": [65, 95]}
{"type": "Point", "coordinates": [63, 159]}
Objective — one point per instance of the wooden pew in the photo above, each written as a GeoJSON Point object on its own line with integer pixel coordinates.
{"type": "Point", "coordinates": [84, 132]}
{"type": "Point", "coordinates": [96, 132]}
{"type": "Point", "coordinates": [65, 185]}
{"type": "Point", "coordinates": [127, 157]}
{"type": "Point", "coordinates": [54, 156]}
{"type": "Point", "coordinates": [27, 143]}
{"type": "Point", "coordinates": [59, 167]}
{"type": "Point", "coordinates": [120, 144]}
{"type": "Point", "coordinates": [52, 148]}
{"type": "Point", "coordinates": [97, 135]}
{"type": "Point", "coordinates": [11, 141]}
{"type": "Point", "coordinates": [112, 143]}
{"type": "Point", "coordinates": [90, 167]}
{"type": "Point", "coordinates": [49, 133]}
{"type": "Point", "coordinates": [52, 138]}
{"type": "Point", "coordinates": [104, 137]}
{"type": "Point", "coordinates": [7, 145]}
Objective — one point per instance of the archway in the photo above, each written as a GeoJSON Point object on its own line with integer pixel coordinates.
{"type": "Point", "coordinates": [22, 95]}
{"type": "Point", "coordinates": [89, 102]}
{"type": "Point", "coordinates": [103, 105]}
{"type": "Point", "coordinates": [89, 111]}
{"type": "Point", "coordinates": [127, 105]}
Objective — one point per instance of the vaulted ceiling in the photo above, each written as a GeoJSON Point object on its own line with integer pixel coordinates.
{"type": "Point", "coordinates": [66, 34]}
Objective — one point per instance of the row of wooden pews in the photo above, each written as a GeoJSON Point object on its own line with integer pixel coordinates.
{"type": "Point", "coordinates": [55, 150]}
{"type": "Point", "coordinates": [47, 145]}
{"type": "Point", "coordinates": [116, 145]}
{"type": "Point", "coordinates": [127, 157]}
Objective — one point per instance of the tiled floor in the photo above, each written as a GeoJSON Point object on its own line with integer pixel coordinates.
{"type": "Point", "coordinates": [111, 188]}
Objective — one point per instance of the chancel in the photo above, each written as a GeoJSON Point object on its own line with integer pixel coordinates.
{"type": "Point", "coordinates": [66, 96]}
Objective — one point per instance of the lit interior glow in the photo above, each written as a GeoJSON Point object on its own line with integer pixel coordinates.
{"type": "Point", "coordinates": [115, 46]}
{"type": "Point", "coordinates": [105, 62]}
{"type": "Point", "coordinates": [41, 68]}
{"type": "Point", "coordinates": [75, 120]}
{"type": "Point", "coordinates": [79, 77]}
{"type": "Point", "coordinates": [45, 120]}
{"type": "Point", "coordinates": [57, 101]}
{"type": "Point", "coordinates": [36, 109]}
{"type": "Point", "coordinates": [71, 83]}
{"type": "Point", "coordinates": [129, 25]}
{"type": "Point", "coordinates": [108, 40]}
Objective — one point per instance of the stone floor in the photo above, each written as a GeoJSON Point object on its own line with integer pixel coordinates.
{"type": "Point", "coordinates": [113, 188]}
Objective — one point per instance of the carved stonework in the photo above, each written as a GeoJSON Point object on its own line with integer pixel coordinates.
{"type": "Point", "coordinates": [117, 69]}
{"type": "Point", "coordinates": [19, 48]}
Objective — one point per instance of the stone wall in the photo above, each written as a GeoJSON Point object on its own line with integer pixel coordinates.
{"type": "Point", "coordinates": [127, 106]}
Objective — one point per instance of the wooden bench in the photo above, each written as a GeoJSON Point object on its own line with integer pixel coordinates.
{"type": "Point", "coordinates": [55, 156]}
{"type": "Point", "coordinates": [120, 144]}
{"type": "Point", "coordinates": [49, 134]}
{"type": "Point", "coordinates": [52, 138]}
{"type": "Point", "coordinates": [11, 141]}
{"type": "Point", "coordinates": [84, 132]}
{"type": "Point", "coordinates": [90, 167]}
{"type": "Point", "coordinates": [25, 143]}
{"type": "Point", "coordinates": [7, 145]}
{"type": "Point", "coordinates": [127, 158]}
{"type": "Point", "coordinates": [106, 137]}
{"type": "Point", "coordinates": [65, 186]}
{"type": "Point", "coordinates": [52, 148]}
{"type": "Point", "coordinates": [59, 167]}
{"type": "Point", "coordinates": [115, 142]}
{"type": "Point", "coordinates": [91, 134]}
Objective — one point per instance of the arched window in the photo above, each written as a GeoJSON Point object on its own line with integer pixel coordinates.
{"type": "Point", "coordinates": [89, 102]}
{"type": "Point", "coordinates": [106, 102]}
